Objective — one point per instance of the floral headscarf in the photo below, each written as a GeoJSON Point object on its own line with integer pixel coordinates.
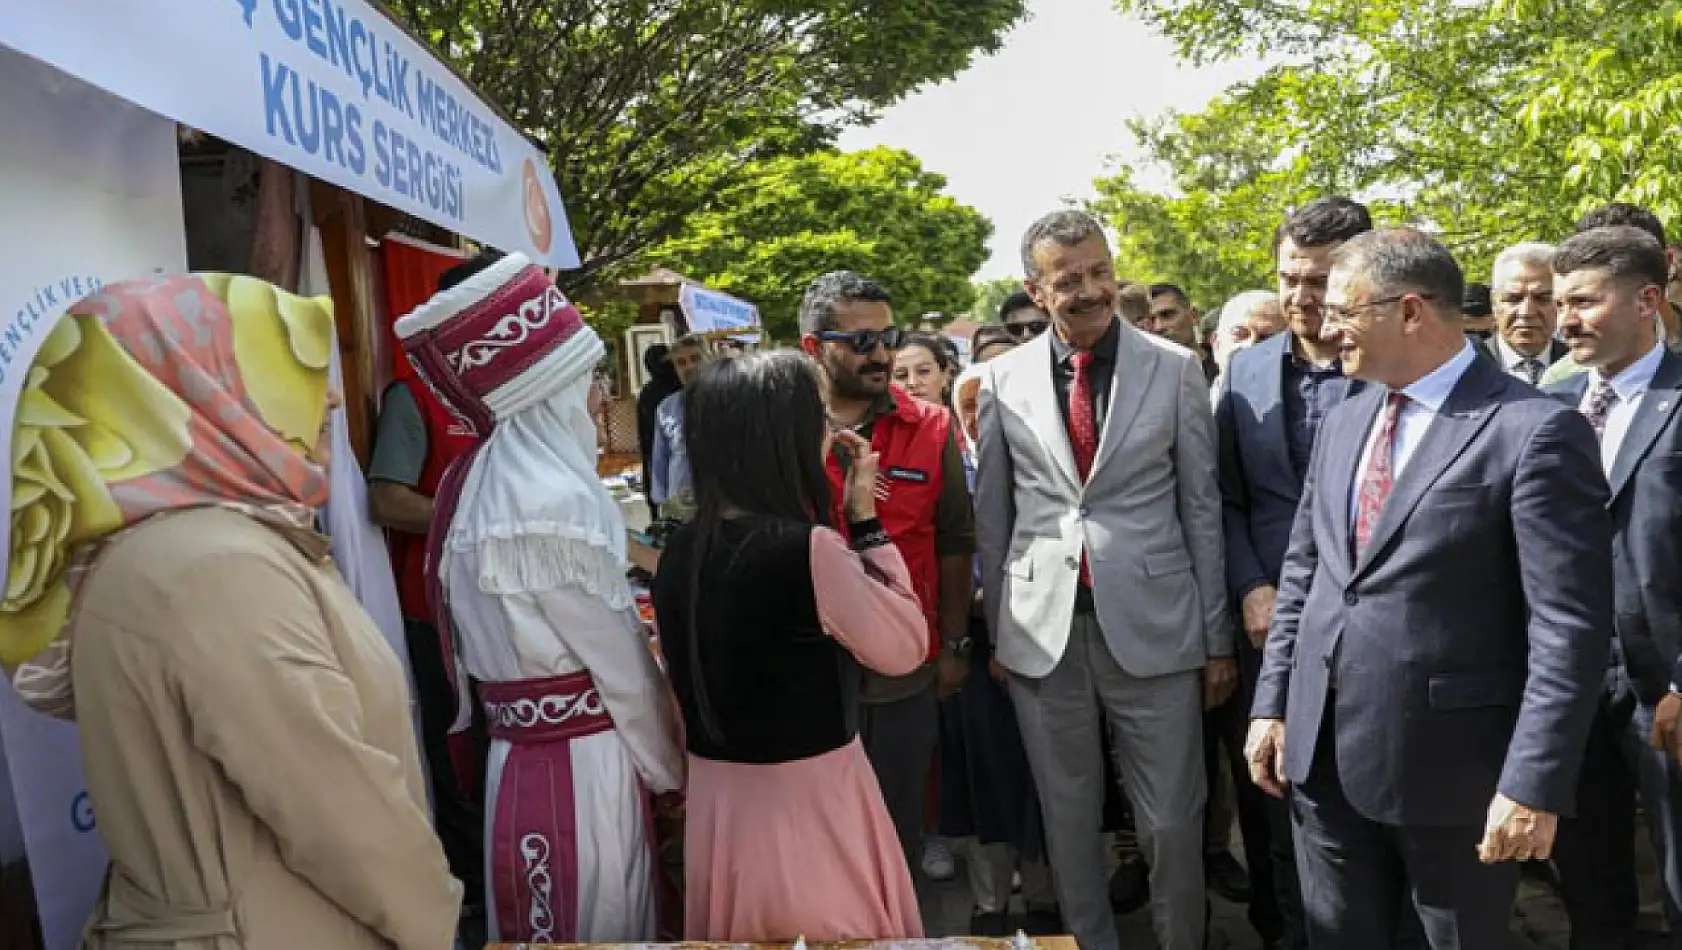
{"type": "Point", "coordinates": [152, 395]}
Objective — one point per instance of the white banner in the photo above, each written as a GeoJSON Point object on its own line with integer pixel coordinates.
{"type": "Point", "coordinates": [329, 87]}
{"type": "Point", "coordinates": [90, 192]}
{"type": "Point", "coordinates": [710, 310]}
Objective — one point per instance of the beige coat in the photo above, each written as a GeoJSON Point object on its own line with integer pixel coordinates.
{"type": "Point", "coordinates": [249, 749]}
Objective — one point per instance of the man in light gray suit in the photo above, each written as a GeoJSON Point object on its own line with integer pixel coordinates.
{"type": "Point", "coordinates": [1098, 522]}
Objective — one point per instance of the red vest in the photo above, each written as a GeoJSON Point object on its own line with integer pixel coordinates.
{"type": "Point", "coordinates": [911, 441]}
{"type": "Point", "coordinates": [446, 439]}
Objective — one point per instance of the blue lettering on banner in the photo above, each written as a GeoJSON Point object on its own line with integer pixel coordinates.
{"type": "Point", "coordinates": [249, 9]}
{"type": "Point", "coordinates": [417, 174]}
{"type": "Point", "coordinates": [340, 39]}
{"type": "Point", "coordinates": [312, 117]}
{"type": "Point", "coordinates": [48, 301]}
{"type": "Point", "coordinates": [81, 813]}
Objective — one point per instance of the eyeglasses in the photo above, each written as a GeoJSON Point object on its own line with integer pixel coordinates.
{"type": "Point", "coordinates": [864, 342]}
{"type": "Point", "coordinates": [1030, 329]}
{"type": "Point", "coordinates": [1346, 314]}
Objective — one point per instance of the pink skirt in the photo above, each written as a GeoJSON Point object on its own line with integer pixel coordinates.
{"type": "Point", "coordinates": [806, 848]}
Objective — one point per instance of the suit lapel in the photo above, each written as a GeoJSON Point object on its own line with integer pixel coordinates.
{"type": "Point", "coordinates": [1343, 455]}
{"type": "Point", "coordinates": [1655, 410]}
{"type": "Point", "coordinates": [1463, 416]}
{"type": "Point", "coordinates": [1045, 414]}
{"type": "Point", "coordinates": [1136, 364]}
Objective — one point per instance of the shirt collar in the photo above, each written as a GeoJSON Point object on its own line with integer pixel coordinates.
{"type": "Point", "coordinates": [1637, 377]}
{"type": "Point", "coordinates": [1104, 350]}
{"type": "Point", "coordinates": [1434, 388]}
{"type": "Point", "coordinates": [883, 405]}
{"type": "Point", "coordinates": [1303, 364]}
{"type": "Point", "coordinates": [1513, 359]}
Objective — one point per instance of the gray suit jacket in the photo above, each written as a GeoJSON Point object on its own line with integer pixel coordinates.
{"type": "Point", "coordinates": [1646, 509]}
{"type": "Point", "coordinates": [1149, 516]}
{"type": "Point", "coordinates": [1469, 639]}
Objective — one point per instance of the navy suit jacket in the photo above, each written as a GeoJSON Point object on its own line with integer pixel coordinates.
{"type": "Point", "coordinates": [1470, 638]}
{"type": "Point", "coordinates": [1646, 510]}
{"type": "Point", "coordinates": [1259, 485]}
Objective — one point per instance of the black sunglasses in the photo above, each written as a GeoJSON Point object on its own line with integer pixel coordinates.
{"type": "Point", "coordinates": [865, 342]}
{"type": "Point", "coordinates": [1032, 328]}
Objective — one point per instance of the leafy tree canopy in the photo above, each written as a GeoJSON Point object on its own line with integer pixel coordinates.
{"type": "Point", "coordinates": [1489, 123]}
{"type": "Point", "coordinates": [651, 109]}
{"type": "Point", "coordinates": [990, 296]}
{"type": "Point", "coordinates": [878, 212]}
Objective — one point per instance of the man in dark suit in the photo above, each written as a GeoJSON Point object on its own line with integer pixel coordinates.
{"type": "Point", "coordinates": [1432, 670]}
{"type": "Point", "coordinates": [1526, 312]}
{"type": "Point", "coordinates": [1268, 416]}
{"type": "Point", "coordinates": [1611, 286]}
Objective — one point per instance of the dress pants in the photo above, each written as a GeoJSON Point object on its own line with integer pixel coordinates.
{"type": "Point", "coordinates": [1595, 854]}
{"type": "Point", "coordinates": [1264, 822]}
{"type": "Point", "coordinates": [1157, 724]}
{"type": "Point", "coordinates": [899, 739]}
{"type": "Point", "coordinates": [1359, 877]}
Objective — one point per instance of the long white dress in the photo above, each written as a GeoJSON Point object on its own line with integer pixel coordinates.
{"type": "Point", "coordinates": [533, 636]}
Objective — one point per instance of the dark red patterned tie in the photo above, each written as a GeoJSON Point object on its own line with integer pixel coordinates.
{"type": "Point", "coordinates": [1083, 430]}
{"type": "Point", "coordinates": [1380, 476]}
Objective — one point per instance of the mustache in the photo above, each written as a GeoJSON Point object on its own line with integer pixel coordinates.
{"type": "Point", "coordinates": [875, 368]}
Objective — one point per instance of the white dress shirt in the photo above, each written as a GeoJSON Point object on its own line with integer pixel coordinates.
{"type": "Point", "coordinates": [1630, 385]}
{"type": "Point", "coordinates": [1426, 397]}
{"type": "Point", "coordinates": [1513, 362]}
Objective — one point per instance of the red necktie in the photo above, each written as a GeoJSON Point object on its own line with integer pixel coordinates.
{"type": "Point", "coordinates": [1380, 476]}
{"type": "Point", "coordinates": [1083, 430]}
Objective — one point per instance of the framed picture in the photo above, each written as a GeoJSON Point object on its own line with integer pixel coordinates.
{"type": "Point", "coordinates": [637, 341]}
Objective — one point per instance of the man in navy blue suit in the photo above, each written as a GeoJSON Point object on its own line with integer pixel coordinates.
{"type": "Point", "coordinates": [1611, 284]}
{"type": "Point", "coordinates": [1435, 657]}
{"type": "Point", "coordinates": [1266, 420]}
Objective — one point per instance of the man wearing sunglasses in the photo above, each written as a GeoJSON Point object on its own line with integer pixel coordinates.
{"type": "Point", "coordinates": [1022, 317]}
{"type": "Point", "coordinates": [846, 324]}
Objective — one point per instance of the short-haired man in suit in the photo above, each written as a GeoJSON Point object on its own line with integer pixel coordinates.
{"type": "Point", "coordinates": [1526, 314]}
{"type": "Point", "coordinates": [1617, 214]}
{"type": "Point", "coordinates": [1436, 652]}
{"type": "Point", "coordinates": [1099, 527]}
{"type": "Point", "coordinates": [1268, 416]}
{"type": "Point", "coordinates": [1611, 285]}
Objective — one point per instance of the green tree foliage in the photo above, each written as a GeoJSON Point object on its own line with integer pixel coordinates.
{"type": "Point", "coordinates": [878, 212]}
{"type": "Point", "coordinates": [1490, 123]}
{"type": "Point", "coordinates": [652, 109]}
{"type": "Point", "coordinates": [990, 296]}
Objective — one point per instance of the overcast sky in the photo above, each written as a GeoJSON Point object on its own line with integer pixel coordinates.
{"type": "Point", "coordinates": [1018, 132]}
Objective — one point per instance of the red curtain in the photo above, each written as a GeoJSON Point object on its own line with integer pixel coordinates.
{"type": "Point", "coordinates": [412, 269]}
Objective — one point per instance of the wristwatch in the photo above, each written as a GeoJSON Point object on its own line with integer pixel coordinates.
{"type": "Point", "coordinates": [960, 648]}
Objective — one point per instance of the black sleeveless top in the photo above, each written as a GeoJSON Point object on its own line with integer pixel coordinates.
{"type": "Point", "coordinates": [780, 689]}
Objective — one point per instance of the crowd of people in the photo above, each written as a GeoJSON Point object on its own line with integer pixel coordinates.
{"type": "Point", "coordinates": [1375, 565]}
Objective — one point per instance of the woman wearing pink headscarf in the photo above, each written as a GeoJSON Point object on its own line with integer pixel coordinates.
{"type": "Point", "coordinates": [245, 726]}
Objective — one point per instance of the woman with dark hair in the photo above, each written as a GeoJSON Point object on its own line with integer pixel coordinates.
{"type": "Point", "coordinates": [924, 367]}
{"type": "Point", "coordinates": [765, 618]}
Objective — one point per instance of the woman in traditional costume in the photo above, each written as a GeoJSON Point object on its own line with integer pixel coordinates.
{"type": "Point", "coordinates": [765, 616]}
{"type": "Point", "coordinates": [245, 727]}
{"type": "Point", "coordinates": [527, 567]}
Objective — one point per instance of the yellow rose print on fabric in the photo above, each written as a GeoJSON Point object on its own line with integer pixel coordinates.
{"type": "Point", "coordinates": [153, 395]}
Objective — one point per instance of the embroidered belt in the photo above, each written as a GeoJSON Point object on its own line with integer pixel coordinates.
{"type": "Point", "coordinates": [552, 709]}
